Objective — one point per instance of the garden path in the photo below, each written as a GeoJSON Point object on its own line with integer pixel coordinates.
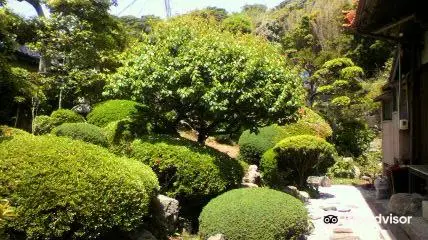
{"type": "Point", "coordinates": [355, 219]}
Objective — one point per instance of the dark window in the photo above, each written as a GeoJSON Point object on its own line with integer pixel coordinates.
{"type": "Point", "coordinates": [387, 110]}
{"type": "Point", "coordinates": [394, 100]}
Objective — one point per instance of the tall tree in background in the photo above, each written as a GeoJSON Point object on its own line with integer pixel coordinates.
{"type": "Point", "coordinates": [189, 70]}
{"type": "Point", "coordinates": [80, 46]}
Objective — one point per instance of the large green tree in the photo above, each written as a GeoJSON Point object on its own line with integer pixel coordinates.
{"type": "Point", "coordinates": [189, 70]}
{"type": "Point", "coordinates": [19, 87]}
{"type": "Point", "coordinates": [79, 46]}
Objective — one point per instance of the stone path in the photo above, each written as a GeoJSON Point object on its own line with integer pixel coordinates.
{"type": "Point", "coordinates": [355, 220]}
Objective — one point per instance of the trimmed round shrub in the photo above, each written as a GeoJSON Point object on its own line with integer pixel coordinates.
{"type": "Point", "coordinates": [82, 131]}
{"type": "Point", "coordinates": [61, 116]}
{"type": "Point", "coordinates": [186, 169]}
{"type": "Point", "coordinates": [254, 214]}
{"type": "Point", "coordinates": [294, 159]}
{"type": "Point", "coordinates": [118, 131]}
{"type": "Point", "coordinates": [110, 111]}
{"type": "Point", "coordinates": [42, 125]}
{"type": "Point", "coordinates": [66, 189]}
{"type": "Point", "coordinates": [252, 145]}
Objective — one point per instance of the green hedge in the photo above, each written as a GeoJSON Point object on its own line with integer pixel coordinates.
{"type": "Point", "coordinates": [293, 159]}
{"type": "Point", "coordinates": [252, 145]}
{"type": "Point", "coordinates": [82, 131]}
{"type": "Point", "coordinates": [254, 214]}
{"type": "Point", "coordinates": [191, 173]}
{"type": "Point", "coordinates": [61, 116]}
{"type": "Point", "coordinates": [42, 125]}
{"type": "Point", "coordinates": [185, 169]}
{"type": "Point", "coordinates": [110, 111]}
{"type": "Point", "coordinates": [66, 189]}
{"type": "Point", "coordinates": [118, 132]}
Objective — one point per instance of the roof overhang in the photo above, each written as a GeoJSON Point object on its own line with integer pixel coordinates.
{"type": "Point", "coordinates": [388, 19]}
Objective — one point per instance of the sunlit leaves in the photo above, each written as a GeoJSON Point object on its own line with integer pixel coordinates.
{"type": "Point", "coordinates": [209, 77]}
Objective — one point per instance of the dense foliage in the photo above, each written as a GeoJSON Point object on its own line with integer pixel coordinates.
{"type": "Point", "coordinates": [253, 145]}
{"type": "Point", "coordinates": [42, 124]}
{"type": "Point", "coordinates": [293, 159]}
{"type": "Point", "coordinates": [110, 111]}
{"type": "Point", "coordinates": [254, 214]}
{"type": "Point", "coordinates": [6, 131]}
{"type": "Point", "coordinates": [61, 116]}
{"type": "Point", "coordinates": [188, 70]}
{"type": "Point", "coordinates": [69, 189]}
{"type": "Point", "coordinates": [185, 169]}
{"type": "Point", "coordinates": [82, 131]}
{"type": "Point", "coordinates": [342, 169]}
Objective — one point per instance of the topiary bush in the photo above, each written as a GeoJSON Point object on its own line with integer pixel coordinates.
{"type": "Point", "coordinates": [61, 116]}
{"type": "Point", "coordinates": [110, 111]}
{"type": "Point", "coordinates": [252, 145]}
{"type": "Point", "coordinates": [66, 189]}
{"type": "Point", "coordinates": [186, 169]}
{"type": "Point", "coordinates": [293, 159]}
{"type": "Point", "coordinates": [191, 173]}
{"type": "Point", "coordinates": [82, 131]}
{"type": "Point", "coordinates": [342, 169]}
{"type": "Point", "coordinates": [254, 214]}
{"type": "Point", "coordinates": [42, 125]}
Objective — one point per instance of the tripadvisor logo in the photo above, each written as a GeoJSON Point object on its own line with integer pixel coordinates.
{"type": "Point", "coordinates": [393, 219]}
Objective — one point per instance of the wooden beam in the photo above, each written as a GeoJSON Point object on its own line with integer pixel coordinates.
{"type": "Point", "coordinates": [399, 22]}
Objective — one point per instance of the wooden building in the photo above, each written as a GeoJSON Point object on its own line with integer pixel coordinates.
{"type": "Point", "coordinates": [405, 96]}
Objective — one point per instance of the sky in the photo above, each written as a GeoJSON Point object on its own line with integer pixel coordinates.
{"type": "Point", "coordinates": [156, 7]}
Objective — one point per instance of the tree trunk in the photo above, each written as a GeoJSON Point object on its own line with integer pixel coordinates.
{"type": "Point", "coordinates": [60, 98]}
{"type": "Point", "coordinates": [202, 136]}
{"type": "Point", "coordinates": [17, 116]}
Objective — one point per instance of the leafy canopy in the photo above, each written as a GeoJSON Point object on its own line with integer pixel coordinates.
{"type": "Point", "coordinates": [189, 70]}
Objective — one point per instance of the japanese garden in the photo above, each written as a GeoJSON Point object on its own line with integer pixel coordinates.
{"type": "Point", "coordinates": [207, 124]}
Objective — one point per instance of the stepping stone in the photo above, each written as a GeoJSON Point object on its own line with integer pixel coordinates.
{"type": "Point", "coordinates": [343, 230]}
{"type": "Point", "coordinates": [329, 208]}
{"type": "Point", "coordinates": [315, 217]}
{"type": "Point", "coordinates": [343, 209]}
{"type": "Point", "coordinates": [344, 236]}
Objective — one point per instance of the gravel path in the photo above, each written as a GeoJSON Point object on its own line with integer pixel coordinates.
{"type": "Point", "coordinates": [355, 219]}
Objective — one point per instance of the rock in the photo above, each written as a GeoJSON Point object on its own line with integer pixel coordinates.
{"type": "Point", "coordinates": [217, 237]}
{"type": "Point", "coordinates": [83, 109]}
{"type": "Point", "coordinates": [342, 230]}
{"type": "Point", "coordinates": [366, 178]}
{"type": "Point", "coordinates": [252, 175]}
{"type": "Point", "coordinates": [170, 208]}
{"type": "Point", "coordinates": [304, 196]}
{"type": "Point", "coordinates": [405, 204]}
{"type": "Point", "coordinates": [329, 208]}
{"type": "Point", "coordinates": [314, 181]}
{"type": "Point", "coordinates": [142, 235]}
{"type": "Point", "coordinates": [249, 185]}
{"type": "Point", "coordinates": [343, 209]}
{"type": "Point", "coordinates": [325, 181]}
{"type": "Point", "coordinates": [344, 236]}
{"type": "Point", "coordinates": [356, 171]}
{"type": "Point", "coordinates": [292, 190]}
{"type": "Point", "coordinates": [382, 188]}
